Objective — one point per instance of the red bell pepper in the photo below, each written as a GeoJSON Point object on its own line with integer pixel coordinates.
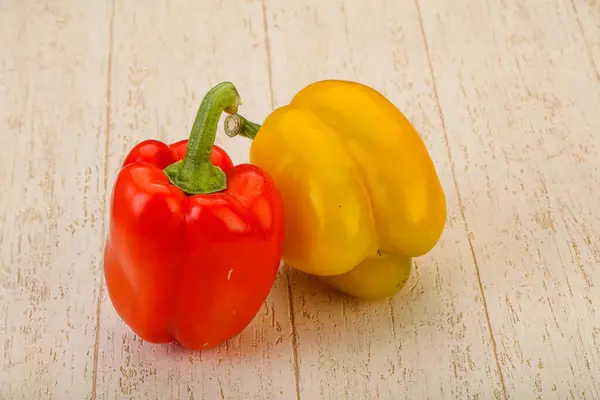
{"type": "Point", "coordinates": [194, 243]}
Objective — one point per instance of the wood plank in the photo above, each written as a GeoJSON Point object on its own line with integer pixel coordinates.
{"type": "Point", "coordinates": [53, 58]}
{"type": "Point", "coordinates": [432, 339]}
{"type": "Point", "coordinates": [588, 18]}
{"type": "Point", "coordinates": [520, 99]}
{"type": "Point", "coordinates": [165, 58]}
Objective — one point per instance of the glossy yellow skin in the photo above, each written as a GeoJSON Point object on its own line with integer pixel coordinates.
{"type": "Point", "coordinates": [360, 191]}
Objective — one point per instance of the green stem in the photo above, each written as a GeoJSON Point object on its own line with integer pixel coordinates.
{"type": "Point", "coordinates": [236, 125]}
{"type": "Point", "coordinates": [196, 174]}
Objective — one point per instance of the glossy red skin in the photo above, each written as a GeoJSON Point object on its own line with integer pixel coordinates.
{"type": "Point", "coordinates": [195, 269]}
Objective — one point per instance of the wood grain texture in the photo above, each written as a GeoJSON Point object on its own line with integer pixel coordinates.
{"type": "Point", "coordinates": [520, 98]}
{"type": "Point", "coordinates": [588, 18]}
{"type": "Point", "coordinates": [53, 59]}
{"type": "Point", "coordinates": [505, 94]}
{"type": "Point", "coordinates": [165, 57]}
{"type": "Point", "coordinates": [432, 340]}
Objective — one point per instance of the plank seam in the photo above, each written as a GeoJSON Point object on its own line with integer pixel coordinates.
{"type": "Point", "coordinates": [296, 363]}
{"type": "Point", "coordinates": [459, 198]}
{"type": "Point", "coordinates": [268, 52]}
{"type": "Point", "coordinates": [107, 123]}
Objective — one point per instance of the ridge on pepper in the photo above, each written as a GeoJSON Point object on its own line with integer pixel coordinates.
{"type": "Point", "coordinates": [361, 194]}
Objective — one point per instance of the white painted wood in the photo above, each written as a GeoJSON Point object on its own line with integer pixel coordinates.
{"type": "Point", "coordinates": [53, 59]}
{"type": "Point", "coordinates": [520, 101]}
{"type": "Point", "coordinates": [432, 340]}
{"type": "Point", "coordinates": [505, 94]}
{"type": "Point", "coordinates": [164, 59]}
{"type": "Point", "coordinates": [588, 18]}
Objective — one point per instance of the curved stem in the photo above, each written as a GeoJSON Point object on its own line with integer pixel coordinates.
{"type": "Point", "coordinates": [196, 173]}
{"type": "Point", "coordinates": [236, 125]}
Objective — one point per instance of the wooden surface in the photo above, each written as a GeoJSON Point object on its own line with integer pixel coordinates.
{"type": "Point", "coordinates": [505, 94]}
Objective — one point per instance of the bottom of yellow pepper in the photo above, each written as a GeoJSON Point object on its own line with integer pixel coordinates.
{"type": "Point", "coordinates": [379, 276]}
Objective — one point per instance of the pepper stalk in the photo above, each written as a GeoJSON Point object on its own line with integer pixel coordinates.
{"type": "Point", "coordinates": [196, 174]}
{"type": "Point", "coordinates": [236, 125]}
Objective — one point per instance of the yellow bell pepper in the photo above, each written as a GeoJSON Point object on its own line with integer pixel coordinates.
{"type": "Point", "coordinates": [361, 194]}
